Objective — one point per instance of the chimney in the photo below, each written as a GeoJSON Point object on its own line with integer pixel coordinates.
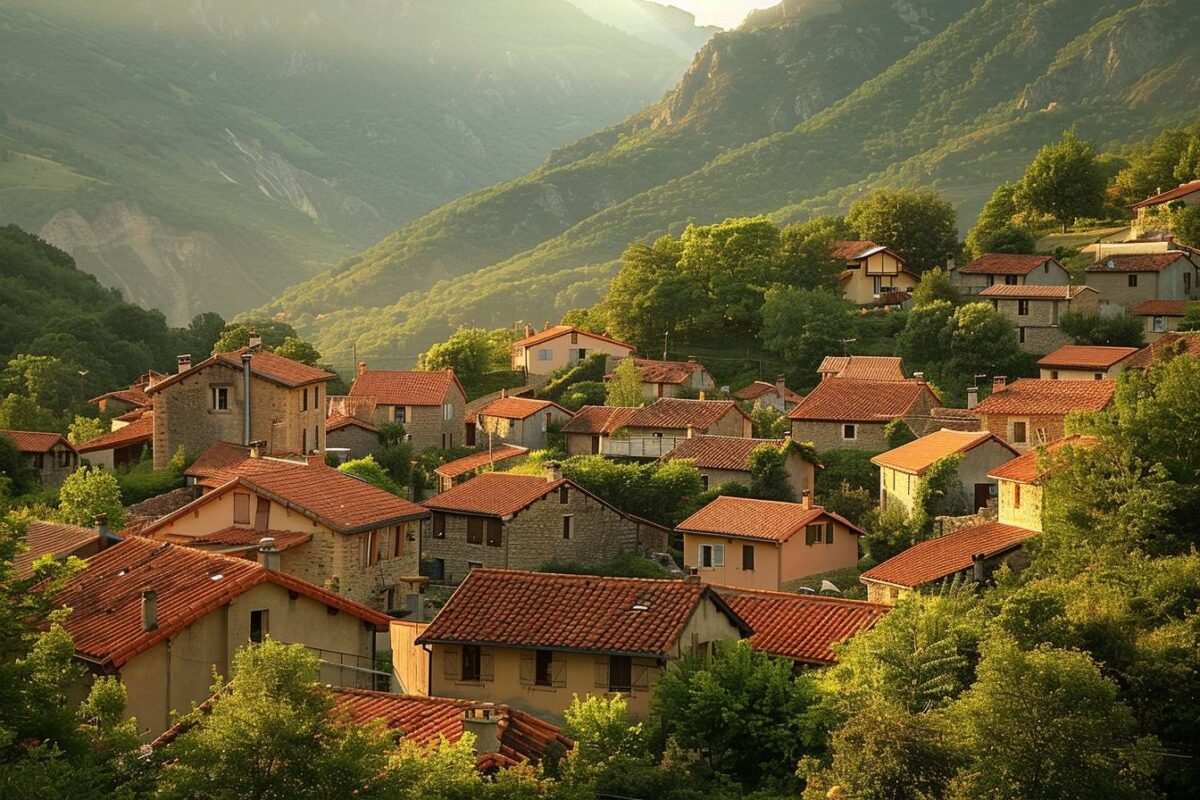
{"type": "Point", "coordinates": [256, 449]}
{"type": "Point", "coordinates": [546, 326]}
{"type": "Point", "coordinates": [314, 459]}
{"type": "Point", "coordinates": [255, 341]}
{"type": "Point", "coordinates": [998, 384]}
{"type": "Point", "coordinates": [780, 385]}
{"type": "Point", "coordinates": [528, 330]}
{"type": "Point", "coordinates": [691, 431]}
{"type": "Point", "coordinates": [362, 368]}
{"type": "Point", "coordinates": [483, 721]}
{"type": "Point", "coordinates": [977, 568]}
{"type": "Point", "coordinates": [972, 396]}
{"type": "Point", "coordinates": [149, 610]}
{"type": "Point", "coordinates": [553, 472]}
{"type": "Point", "coordinates": [806, 499]}
{"type": "Point", "coordinates": [185, 362]}
{"type": "Point", "coordinates": [100, 523]}
{"type": "Point", "coordinates": [504, 393]}
{"type": "Point", "coordinates": [949, 262]}
{"type": "Point", "coordinates": [692, 577]}
{"type": "Point", "coordinates": [701, 394]}
{"type": "Point", "coordinates": [268, 554]}
{"type": "Point", "coordinates": [920, 376]}
{"type": "Point", "coordinates": [246, 398]}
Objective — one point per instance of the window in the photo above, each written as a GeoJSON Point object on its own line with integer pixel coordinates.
{"type": "Point", "coordinates": [1053, 374]}
{"type": "Point", "coordinates": [241, 508]}
{"type": "Point", "coordinates": [1133, 281]}
{"type": "Point", "coordinates": [447, 412]}
{"type": "Point", "coordinates": [474, 565]}
{"type": "Point", "coordinates": [304, 400]}
{"type": "Point", "coordinates": [369, 555]}
{"type": "Point", "coordinates": [748, 557]}
{"type": "Point", "coordinates": [220, 398]}
{"type": "Point", "coordinates": [1187, 283]}
{"type": "Point", "coordinates": [398, 541]}
{"type": "Point", "coordinates": [400, 413]}
{"type": "Point", "coordinates": [543, 674]}
{"type": "Point", "coordinates": [574, 337]}
{"type": "Point", "coordinates": [1098, 376]}
{"type": "Point", "coordinates": [877, 284]}
{"type": "Point", "coordinates": [620, 674]}
{"type": "Point", "coordinates": [304, 441]}
{"type": "Point", "coordinates": [712, 555]}
{"type": "Point", "coordinates": [475, 527]}
{"type": "Point", "coordinates": [1019, 435]}
{"type": "Point", "coordinates": [39, 460]}
{"type": "Point", "coordinates": [494, 536]}
{"type": "Point", "coordinates": [1022, 308]}
{"type": "Point", "coordinates": [316, 397]}
{"type": "Point", "coordinates": [828, 533]}
{"type": "Point", "coordinates": [1016, 495]}
{"type": "Point", "coordinates": [1021, 335]}
{"type": "Point", "coordinates": [568, 527]}
{"type": "Point", "coordinates": [704, 482]}
{"type": "Point", "coordinates": [439, 525]}
{"type": "Point", "coordinates": [563, 495]}
{"type": "Point", "coordinates": [1010, 280]}
{"type": "Point", "coordinates": [813, 534]}
{"type": "Point", "coordinates": [1158, 324]}
{"type": "Point", "coordinates": [849, 431]}
{"type": "Point", "coordinates": [258, 625]}
{"type": "Point", "coordinates": [544, 354]}
{"type": "Point", "coordinates": [471, 658]}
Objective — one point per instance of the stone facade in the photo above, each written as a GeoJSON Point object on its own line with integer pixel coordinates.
{"type": "Point", "coordinates": [1021, 505]}
{"type": "Point", "coordinates": [359, 441]}
{"type": "Point", "coordinates": [54, 466]}
{"type": "Point", "coordinates": [1037, 319]}
{"type": "Point", "coordinates": [439, 426]}
{"type": "Point", "coordinates": [1051, 273]}
{"type": "Point", "coordinates": [1039, 429]}
{"type": "Point", "coordinates": [529, 432]}
{"type": "Point", "coordinates": [1121, 291]}
{"type": "Point", "coordinates": [829, 435]}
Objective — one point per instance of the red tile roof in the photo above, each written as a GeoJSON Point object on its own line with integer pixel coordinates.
{"type": "Point", "coordinates": [339, 422]}
{"type": "Point", "coordinates": [105, 598]}
{"type": "Point", "coordinates": [802, 627]}
{"type": "Point", "coordinates": [415, 388]}
{"type": "Point", "coordinates": [517, 408]}
{"type": "Point", "coordinates": [720, 452]}
{"type": "Point", "coordinates": [599, 419]}
{"type": "Point", "coordinates": [460, 466]}
{"type": "Point", "coordinates": [675, 413]}
{"type": "Point", "coordinates": [218, 463]}
{"type": "Point", "coordinates": [555, 331]}
{"type": "Point", "coordinates": [1182, 190]}
{"type": "Point", "coordinates": [1024, 468]}
{"type": "Point", "coordinates": [849, 249]}
{"type": "Point", "coordinates": [243, 538]}
{"type": "Point", "coordinates": [863, 368]}
{"type": "Point", "coordinates": [140, 431]}
{"type": "Point", "coordinates": [852, 400]}
{"type": "Point", "coordinates": [943, 556]}
{"type": "Point", "coordinates": [921, 454]}
{"type": "Point", "coordinates": [1034, 292]}
{"type": "Point", "coordinates": [263, 364]}
{"type": "Point", "coordinates": [759, 388]}
{"type": "Point", "coordinates": [512, 608]}
{"type": "Point", "coordinates": [51, 538]}
{"type": "Point", "coordinates": [1183, 341]}
{"type": "Point", "coordinates": [1048, 398]}
{"type": "Point", "coordinates": [494, 494]}
{"type": "Point", "coordinates": [1138, 262]}
{"type": "Point", "coordinates": [766, 520]}
{"type": "Point", "coordinates": [1162, 308]}
{"type": "Point", "coordinates": [1086, 356]}
{"type": "Point", "coordinates": [1005, 264]}
{"type": "Point", "coordinates": [36, 441]}
{"type": "Point", "coordinates": [134, 396]}
{"type": "Point", "coordinates": [673, 372]}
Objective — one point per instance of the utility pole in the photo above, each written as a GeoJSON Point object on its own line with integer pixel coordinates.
{"type": "Point", "coordinates": [665, 335]}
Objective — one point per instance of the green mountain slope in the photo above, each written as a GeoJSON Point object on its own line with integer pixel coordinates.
{"type": "Point", "coordinates": [963, 108]}
{"type": "Point", "coordinates": [206, 155]}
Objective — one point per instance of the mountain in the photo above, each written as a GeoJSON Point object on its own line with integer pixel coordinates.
{"type": "Point", "coordinates": [668, 27]}
{"type": "Point", "coordinates": [205, 154]}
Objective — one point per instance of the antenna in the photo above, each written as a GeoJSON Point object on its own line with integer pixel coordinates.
{"type": "Point", "coordinates": [845, 343]}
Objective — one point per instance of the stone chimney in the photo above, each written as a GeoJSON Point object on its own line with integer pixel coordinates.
{"type": "Point", "coordinates": [998, 384]}
{"type": "Point", "coordinates": [149, 610]}
{"type": "Point", "coordinates": [780, 385]}
{"type": "Point", "coordinates": [484, 722]}
{"type": "Point", "coordinates": [691, 431]}
{"type": "Point", "coordinates": [185, 362]}
{"type": "Point", "coordinates": [255, 340]}
{"type": "Point", "coordinates": [949, 261]}
{"type": "Point", "coordinates": [362, 368]}
{"type": "Point", "coordinates": [553, 472]}
{"type": "Point", "coordinates": [972, 396]}
{"type": "Point", "coordinates": [806, 499]}
{"type": "Point", "coordinates": [504, 393]}
{"type": "Point", "coordinates": [100, 523]}
{"type": "Point", "coordinates": [314, 459]}
{"type": "Point", "coordinates": [692, 360]}
{"type": "Point", "coordinates": [702, 394]}
{"type": "Point", "coordinates": [528, 330]}
{"type": "Point", "coordinates": [268, 554]}
{"type": "Point", "coordinates": [256, 449]}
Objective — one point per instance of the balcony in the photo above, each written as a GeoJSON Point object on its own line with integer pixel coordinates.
{"type": "Point", "coordinates": [640, 446]}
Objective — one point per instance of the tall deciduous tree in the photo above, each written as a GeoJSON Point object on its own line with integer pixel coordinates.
{"type": "Point", "coordinates": [806, 249]}
{"type": "Point", "coordinates": [732, 263]}
{"type": "Point", "coordinates": [934, 285]}
{"type": "Point", "coordinates": [236, 335]}
{"type": "Point", "coordinates": [1065, 181]}
{"type": "Point", "coordinates": [769, 478]}
{"type": "Point", "coordinates": [804, 325]}
{"type": "Point", "coordinates": [625, 386]}
{"type": "Point", "coordinates": [919, 225]}
{"type": "Point", "coordinates": [650, 297]}
{"type": "Point", "coordinates": [470, 352]}
{"type": "Point", "coordinates": [88, 492]}
{"type": "Point", "coordinates": [297, 349]}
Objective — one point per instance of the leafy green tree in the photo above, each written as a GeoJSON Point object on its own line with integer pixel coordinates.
{"type": "Point", "coordinates": [897, 433]}
{"type": "Point", "coordinates": [1121, 330]}
{"type": "Point", "coordinates": [769, 479]}
{"type": "Point", "coordinates": [602, 730]}
{"type": "Point", "coordinates": [50, 382]}
{"type": "Point", "coordinates": [803, 326]}
{"type": "Point", "coordinates": [1158, 167]}
{"type": "Point", "coordinates": [768, 422]}
{"type": "Point", "coordinates": [19, 412]}
{"type": "Point", "coordinates": [732, 263]}
{"type": "Point", "coordinates": [471, 353]}
{"type": "Point", "coordinates": [934, 285]}
{"type": "Point", "coordinates": [298, 350]}
{"type": "Point", "coordinates": [650, 296]}
{"type": "Point", "coordinates": [1191, 318]}
{"type": "Point", "coordinates": [1065, 181]}
{"type": "Point", "coordinates": [88, 492]}
{"type": "Point", "coordinates": [584, 393]}
{"type": "Point", "coordinates": [236, 335]}
{"type": "Point", "coordinates": [368, 469]}
{"type": "Point", "coordinates": [806, 249]}
{"type": "Point", "coordinates": [1005, 239]}
{"type": "Point", "coordinates": [84, 429]}
{"type": "Point", "coordinates": [925, 342]}
{"type": "Point", "coordinates": [919, 225]}
{"type": "Point", "coordinates": [624, 388]}
{"type": "Point", "coordinates": [850, 467]}
{"type": "Point", "coordinates": [202, 333]}
{"type": "Point", "coordinates": [16, 470]}
{"type": "Point", "coordinates": [1185, 224]}
{"type": "Point", "coordinates": [996, 230]}
{"type": "Point", "coordinates": [890, 531]}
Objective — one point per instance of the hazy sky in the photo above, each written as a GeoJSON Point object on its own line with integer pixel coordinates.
{"type": "Point", "coordinates": [726, 13]}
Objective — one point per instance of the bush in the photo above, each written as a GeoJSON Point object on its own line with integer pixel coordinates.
{"type": "Point", "coordinates": [626, 565]}
{"type": "Point", "coordinates": [141, 481]}
{"type": "Point", "coordinates": [851, 468]}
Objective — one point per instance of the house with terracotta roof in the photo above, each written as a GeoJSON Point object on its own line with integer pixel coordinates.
{"type": "Point", "coordinates": [558, 346]}
{"type": "Point", "coordinates": [162, 618]}
{"type": "Point", "coordinates": [1171, 343]}
{"type": "Point", "coordinates": [874, 274]}
{"type": "Point", "coordinates": [726, 459]}
{"type": "Point", "coordinates": [1035, 311]}
{"type": "Point", "coordinates": [520, 421]}
{"type": "Point", "coordinates": [125, 444]}
{"type": "Point", "coordinates": [902, 469]}
{"type": "Point", "coordinates": [132, 399]}
{"type": "Point", "coordinates": [351, 437]}
{"type": "Point", "coordinates": [329, 528]}
{"type": "Point", "coordinates": [1076, 362]}
{"type": "Point", "coordinates": [1126, 280]}
{"type": "Point", "coordinates": [589, 429]}
{"type": "Point", "coordinates": [801, 627]}
{"type": "Point", "coordinates": [59, 541]}
{"type": "Point", "coordinates": [1151, 219]}
{"type": "Point", "coordinates": [671, 378]}
{"type": "Point", "coordinates": [430, 405]}
{"type": "Point", "coordinates": [452, 473]}
{"type": "Point", "coordinates": [1160, 316]}
{"type": "Point", "coordinates": [1009, 269]}
{"type": "Point", "coordinates": [52, 456]}
{"type": "Point", "coordinates": [535, 640]}
{"type": "Point", "coordinates": [499, 519]}
{"type": "Point", "coordinates": [972, 553]}
{"type": "Point", "coordinates": [248, 395]}
{"type": "Point", "coordinates": [765, 544]}
{"type": "Point", "coordinates": [1031, 412]}
{"type": "Point", "coordinates": [863, 368]}
{"type": "Point", "coordinates": [776, 395]}
{"type": "Point", "coordinates": [1020, 481]}
{"type": "Point", "coordinates": [655, 430]}
{"type": "Point", "coordinates": [850, 414]}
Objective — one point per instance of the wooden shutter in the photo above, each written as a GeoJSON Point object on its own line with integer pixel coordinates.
{"type": "Point", "coordinates": [451, 663]}
{"type": "Point", "coordinates": [558, 673]}
{"type": "Point", "coordinates": [527, 668]}
{"type": "Point", "coordinates": [241, 508]}
{"type": "Point", "coordinates": [495, 537]}
{"type": "Point", "coordinates": [828, 533]}
{"type": "Point", "coordinates": [602, 672]}
{"type": "Point", "coordinates": [475, 530]}
{"type": "Point", "coordinates": [398, 541]}
{"type": "Point", "coordinates": [719, 555]}
{"type": "Point", "coordinates": [640, 677]}
{"type": "Point", "coordinates": [262, 514]}
{"type": "Point", "coordinates": [487, 669]}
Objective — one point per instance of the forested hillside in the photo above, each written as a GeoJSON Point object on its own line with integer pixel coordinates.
{"type": "Point", "coordinates": [794, 114]}
{"type": "Point", "coordinates": [233, 147]}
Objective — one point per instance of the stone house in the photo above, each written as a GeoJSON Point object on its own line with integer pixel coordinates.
{"type": "Point", "coordinates": [902, 468]}
{"type": "Point", "coordinates": [162, 618]}
{"type": "Point", "coordinates": [726, 459]}
{"type": "Point", "coordinates": [134, 398]}
{"type": "Point", "coordinates": [354, 437]}
{"type": "Point", "coordinates": [1031, 412]}
{"type": "Point", "coordinates": [776, 395]}
{"type": "Point", "coordinates": [1036, 310]}
{"type": "Point", "coordinates": [671, 378]}
{"type": "Point", "coordinates": [589, 430]}
{"type": "Point", "coordinates": [850, 414]}
{"type": "Point", "coordinates": [1020, 482]}
{"type": "Point", "coordinates": [430, 405]}
{"type": "Point", "coordinates": [452, 473]}
{"type": "Point", "coordinates": [512, 521]}
{"type": "Point", "coordinates": [757, 544]}
{"type": "Point", "coordinates": [1009, 269]}
{"type": "Point", "coordinates": [1126, 280]}
{"type": "Point", "coordinates": [1150, 221]}
{"type": "Point", "coordinates": [207, 403]}
{"type": "Point", "coordinates": [329, 528]}
{"type": "Point", "coordinates": [1074, 362]}
{"type": "Point", "coordinates": [559, 346]}
{"type": "Point", "coordinates": [125, 444]}
{"type": "Point", "coordinates": [535, 640]}
{"type": "Point", "coordinates": [655, 430]}
{"type": "Point", "coordinates": [874, 275]}
{"type": "Point", "coordinates": [862, 368]}
{"type": "Point", "coordinates": [519, 421]}
{"type": "Point", "coordinates": [52, 456]}
{"type": "Point", "coordinates": [1160, 316]}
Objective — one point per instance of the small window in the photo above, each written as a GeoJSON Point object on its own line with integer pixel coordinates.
{"type": "Point", "coordinates": [475, 526]}
{"type": "Point", "coordinates": [704, 482]}
{"type": "Point", "coordinates": [849, 431]}
{"type": "Point", "coordinates": [400, 413]}
{"type": "Point", "coordinates": [439, 525]}
{"type": "Point", "coordinates": [828, 533]}
{"type": "Point", "coordinates": [1053, 374]}
{"type": "Point", "coordinates": [220, 398]}
{"type": "Point", "coordinates": [1016, 495]}
{"type": "Point", "coordinates": [1159, 324]}
{"type": "Point", "coordinates": [1133, 281]}
{"type": "Point", "coordinates": [304, 441]}
{"type": "Point", "coordinates": [544, 668]}
{"type": "Point", "coordinates": [1021, 335]}
{"type": "Point", "coordinates": [712, 555]}
{"type": "Point", "coordinates": [258, 625]}
{"type": "Point", "coordinates": [568, 526]}
{"type": "Point", "coordinates": [447, 412]}
{"type": "Point", "coordinates": [574, 337]}
{"type": "Point", "coordinates": [398, 541]}
{"type": "Point", "coordinates": [544, 354]}
{"type": "Point", "coordinates": [1019, 433]}
{"type": "Point", "coordinates": [304, 400]}
{"type": "Point", "coordinates": [471, 658]}
{"type": "Point", "coordinates": [1022, 308]}
{"type": "Point", "coordinates": [620, 674]}
{"type": "Point", "coordinates": [495, 537]}
{"type": "Point", "coordinates": [563, 495]}
{"type": "Point", "coordinates": [241, 508]}
{"type": "Point", "coordinates": [1098, 376]}
{"type": "Point", "coordinates": [474, 565]}
{"type": "Point", "coordinates": [1010, 280]}
{"type": "Point", "coordinates": [748, 557]}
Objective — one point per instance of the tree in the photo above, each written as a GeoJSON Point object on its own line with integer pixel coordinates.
{"type": "Point", "coordinates": [584, 393]}
{"type": "Point", "coordinates": [769, 479]}
{"type": "Point", "coordinates": [298, 350]}
{"type": "Point", "coordinates": [981, 341]}
{"type": "Point", "coordinates": [49, 382]}
{"type": "Point", "coordinates": [84, 429]}
{"type": "Point", "coordinates": [650, 296]}
{"type": "Point", "coordinates": [731, 263]}
{"type": "Point", "coordinates": [803, 326]}
{"type": "Point", "coordinates": [19, 412]}
{"type": "Point", "coordinates": [470, 352]}
{"type": "Point", "coordinates": [806, 249]}
{"type": "Point", "coordinates": [889, 532]}
{"type": "Point", "coordinates": [368, 469]}
{"type": "Point", "coordinates": [1065, 181]}
{"type": "Point", "coordinates": [768, 422]}
{"type": "Point", "coordinates": [897, 433]}
{"type": "Point", "coordinates": [1185, 224]}
{"type": "Point", "coordinates": [1122, 330]}
{"type": "Point", "coordinates": [919, 225]}
{"type": "Point", "coordinates": [1162, 165]}
{"type": "Point", "coordinates": [274, 733]}
{"type": "Point", "coordinates": [602, 730]}
{"type": "Point", "coordinates": [1005, 239]}
{"type": "Point", "coordinates": [1191, 318]}
{"type": "Point", "coordinates": [925, 341]}
{"type": "Point", "coordinates": [236, 335]}
{"type": "Point", "coordinates": [88, 492]}
{"type": "Point", "coordinates": [625, 386]}
{"type": "Point", "coordinates": [203, 332]}
{"type": "Point", "coordinates": [16, 470]}
{"type": "Point", "coordinates": [934, 285]}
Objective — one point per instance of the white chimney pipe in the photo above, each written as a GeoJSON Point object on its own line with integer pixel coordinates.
{"type": "Point", "coordinates": [149, 610]}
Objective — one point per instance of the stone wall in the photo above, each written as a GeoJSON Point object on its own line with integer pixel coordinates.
{"type": "Point", "coordinates": [358, 441]}
{"type": "Point", "coordinates": [1051, 428]}
{"type": "Point", "coordinates": [828, 436]}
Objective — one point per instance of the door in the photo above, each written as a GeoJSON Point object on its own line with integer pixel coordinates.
{"type": "Point", "coordinates": [983, 493]}
{"type": "Point", "coordinates": [595, 445]}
